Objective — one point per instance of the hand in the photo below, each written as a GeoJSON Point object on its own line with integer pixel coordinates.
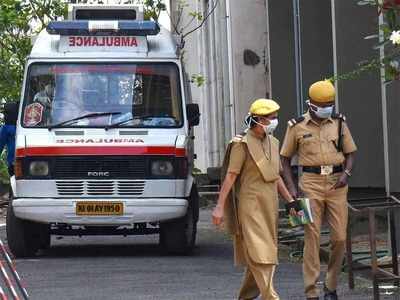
{"type": "Point", "coordinates": [342, 182]}
{"type": "Point", "coordinates": [293, 212]}
{"type": "Point", "coordinates": [293, 207]}
{"type": "Point", "coordinates": [217, 216]}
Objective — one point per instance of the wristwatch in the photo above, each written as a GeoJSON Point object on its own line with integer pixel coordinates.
{"type": "Point", "coordinates": [347, 172]}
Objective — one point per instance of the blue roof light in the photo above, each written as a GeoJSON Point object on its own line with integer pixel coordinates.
{"type": "Point", "coordinates": [122, 28]}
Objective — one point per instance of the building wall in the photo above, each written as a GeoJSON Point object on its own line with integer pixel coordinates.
{"type": "Point", "coordinates": [266, 28]}
{"type": "Point", "coordinates": [249, 38]}
{"type": "Point", "coordinates": [393, 108]}
{"type": "Point", "coordinates": [360, 98]}
{"type": "Point", "coordinates": [316, 52]}
{"type": "Point", "coordinates": [217, 51]}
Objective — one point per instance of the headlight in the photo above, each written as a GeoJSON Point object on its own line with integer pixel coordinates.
{"type": "Point", "coordinates": [39, 168]}
{"type": "Point", "coordinates": [162, 168]}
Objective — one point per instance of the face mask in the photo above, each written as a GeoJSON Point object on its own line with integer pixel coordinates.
{"type": "Point", "coordinates": [321, 112]}
{"type": "Point", "coordinates": [270, 127]}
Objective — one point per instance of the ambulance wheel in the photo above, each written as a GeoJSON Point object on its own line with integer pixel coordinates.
{"type": "Point", "coordinates": [179, 236]}
{"type": "Point", "coordinates": [25, 238]}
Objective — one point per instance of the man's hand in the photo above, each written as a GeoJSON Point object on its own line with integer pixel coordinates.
{"type": "Point", "coordinates": [342, 181]}
{"type": "Point", "coordinates": [218, 216]}
{"type": "Point", "coordinates": [293, 207]}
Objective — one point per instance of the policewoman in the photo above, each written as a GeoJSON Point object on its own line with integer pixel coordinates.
{"type": "Point", "coordinates": [248, 200]}
{"type": "Point", "coordinates": [325, 149]}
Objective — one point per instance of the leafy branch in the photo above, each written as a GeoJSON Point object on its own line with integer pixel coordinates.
{"type": "Point", "coordinates": [203, 19]}
{"type": "Point", "coordinates": [389, 34]}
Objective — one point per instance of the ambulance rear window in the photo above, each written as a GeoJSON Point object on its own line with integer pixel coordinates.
{"type": "Point", "coordinates": [127, 95]}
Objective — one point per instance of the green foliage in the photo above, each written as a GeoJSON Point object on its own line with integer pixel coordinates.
{"type": "Point", "coordinates": [198, 79]}
{"type": "Point", "coordinates": [196, 171]}
{"type": "Point", "coordinates": [363, 67]}
{"type": "Point", "coordinates": [196, 15]}
{"type": "Point", "coordinates": [4, 177]}
{"type": "Point", "coordinates": [153, 9]}
{"type": "Point", "coordinates": [19, 21]}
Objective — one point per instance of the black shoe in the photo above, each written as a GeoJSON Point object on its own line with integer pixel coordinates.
{"type": "Point", "coordinates": [330, 295]}
{"type": "Point", "coordinates": [313, 298]}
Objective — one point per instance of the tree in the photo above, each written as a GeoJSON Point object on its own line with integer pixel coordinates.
{"type": "Point", "coordinates": [19, 22]}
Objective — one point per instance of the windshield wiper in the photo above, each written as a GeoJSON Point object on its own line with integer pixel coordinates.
{"type": "Point", "coordinates": [90, 115]}
{"type": "Point", "coordinates": [115, 125]}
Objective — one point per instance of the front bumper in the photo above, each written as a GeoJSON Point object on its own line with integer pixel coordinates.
{"type": "Point", "coordinates": [137, 210]}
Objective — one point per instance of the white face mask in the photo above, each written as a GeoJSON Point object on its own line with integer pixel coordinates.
{"type": "Point", "coordinates": [270, 127]}
{"type": "Point", "coordinates": [321, 112]}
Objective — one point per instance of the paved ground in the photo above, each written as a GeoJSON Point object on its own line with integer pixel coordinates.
{"type": "Point", "coordinates": [134, 268]}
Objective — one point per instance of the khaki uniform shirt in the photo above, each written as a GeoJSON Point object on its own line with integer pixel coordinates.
{"type": "Point", "coordinates": [256, 161]}
{"type": "Point", "coordinates": [315, 143]}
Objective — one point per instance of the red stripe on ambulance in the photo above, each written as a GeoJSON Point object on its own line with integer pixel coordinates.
{"type": "Point", "coordinates": [98, 150]}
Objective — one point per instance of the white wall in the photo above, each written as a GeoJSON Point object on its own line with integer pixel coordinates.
{"type": "Point", "coordinates": [249, 31]}
{"type": "Point", "coordinates": [230, 84]}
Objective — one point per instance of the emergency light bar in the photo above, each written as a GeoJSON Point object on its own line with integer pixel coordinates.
{"type": "Point", "coordinates": [121, 28]}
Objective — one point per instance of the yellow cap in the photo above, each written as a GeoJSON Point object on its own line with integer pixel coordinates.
{"type": "Point", "coordinates": [322, 91]}
{"type": "Point", "coordinates": [263, 107]}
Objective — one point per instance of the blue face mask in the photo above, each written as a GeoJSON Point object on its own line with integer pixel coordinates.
{"type": "Point", "coordinates": [321, 112]}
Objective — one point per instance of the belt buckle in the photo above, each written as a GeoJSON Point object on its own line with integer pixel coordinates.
{"type": "Point", "coordinates": [326, 170]}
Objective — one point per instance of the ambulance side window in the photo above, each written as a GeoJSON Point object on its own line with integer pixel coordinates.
{"type": "Point", "coordinates": [40, 97]}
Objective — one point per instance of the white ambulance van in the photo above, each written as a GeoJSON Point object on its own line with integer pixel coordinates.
{"type": "Point", "coordinates": [104, 141]}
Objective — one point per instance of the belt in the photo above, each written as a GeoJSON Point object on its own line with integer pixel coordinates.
{"type": "Point", "coordinates": [323, 170]}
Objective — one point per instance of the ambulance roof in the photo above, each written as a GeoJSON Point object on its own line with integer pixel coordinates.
{"type": "Point", "coordinates": [160, 46]}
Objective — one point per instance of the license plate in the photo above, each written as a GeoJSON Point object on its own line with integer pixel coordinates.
{"type": "Point", "coordinates": [92, 208]}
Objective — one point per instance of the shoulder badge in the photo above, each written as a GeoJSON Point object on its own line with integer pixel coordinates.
{"type": "Point", "coordinates": [338, 116]}
{"type": "Point", "coordinates": [294, 121]}
{"type": "Point", "coordinates": [237, 138]}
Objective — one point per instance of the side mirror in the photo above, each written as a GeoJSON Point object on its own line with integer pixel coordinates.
{"type": "Point", "coordinates": [193, 114]}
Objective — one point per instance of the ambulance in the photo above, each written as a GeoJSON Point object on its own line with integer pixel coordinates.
{"type": "Point", "coordinates": [104, 142]}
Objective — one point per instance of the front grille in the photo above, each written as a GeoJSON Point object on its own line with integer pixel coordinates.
{"type": "Point", "coordinates": [129, 167]}
{"type": "Point", "coordinates": [105, 168]}
{"type": "Point", "coordinates": [100, 188]}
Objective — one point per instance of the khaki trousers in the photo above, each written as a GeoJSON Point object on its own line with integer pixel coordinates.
{"type": "Point", "coordinates": [258, 279]}
{"type": "Point", "coordinates": [331, 204]}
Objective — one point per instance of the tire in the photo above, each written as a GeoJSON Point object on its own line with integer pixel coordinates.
{"type": "Point", "coordinates": [179, 236]}
{"type": "Point", "coordinates": [25, 238]}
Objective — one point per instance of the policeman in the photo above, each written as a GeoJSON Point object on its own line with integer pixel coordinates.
{"type": "Point", "coordinates": [248, 200]}
{"type": "Point", "coordinates": [325, 150]}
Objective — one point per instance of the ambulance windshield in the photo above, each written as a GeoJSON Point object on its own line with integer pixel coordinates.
{"type": "Point", "coordinates": [134, 95]}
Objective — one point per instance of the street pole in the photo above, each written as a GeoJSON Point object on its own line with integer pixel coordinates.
{"type": "Point", "coordinates": [298, 57]}
{"type": "Point", "coordinates": [384, 112]}
{"type": "Point", "coordinates": [231, 75]}
{"type": "Point", "coordinates": [334, 50]}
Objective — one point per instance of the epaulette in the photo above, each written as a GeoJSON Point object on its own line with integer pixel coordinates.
{"type": "Point", "coordinates": [339, 116]}
{"type": "Point", "coordinates": [295, 121]}
{"type": "Point", "coordinates": [237, 138]}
